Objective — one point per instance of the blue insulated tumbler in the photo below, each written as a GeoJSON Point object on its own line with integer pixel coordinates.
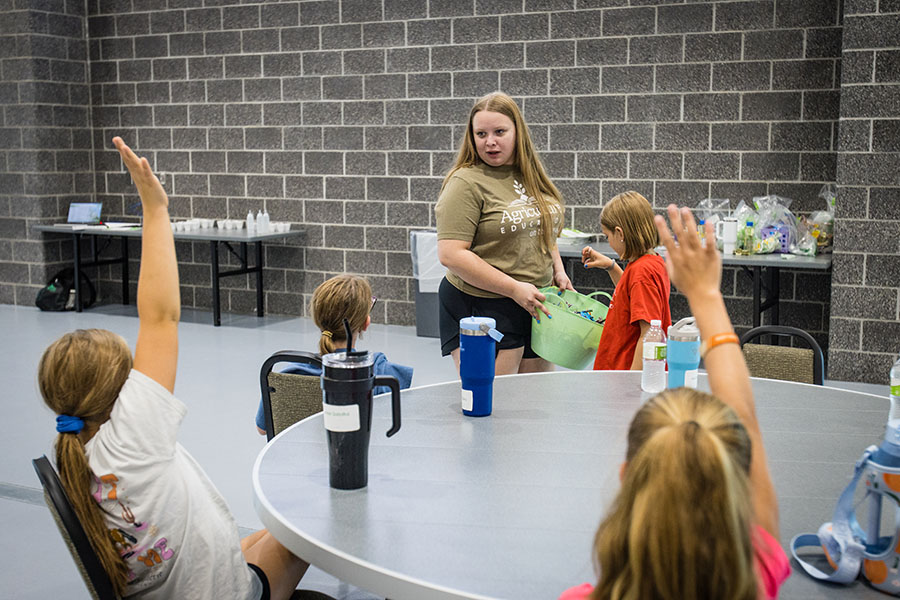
{"type": "Point", "coordinates": [683, 353]}
{"type": "Point", "coordinates": [478, 338]}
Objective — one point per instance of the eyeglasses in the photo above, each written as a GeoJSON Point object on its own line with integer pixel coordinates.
{"type": "Point", "coordinates": [374, 300]}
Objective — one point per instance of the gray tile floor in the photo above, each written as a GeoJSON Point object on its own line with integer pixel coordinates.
{"type": "Point", "coordinates": [218, 380]}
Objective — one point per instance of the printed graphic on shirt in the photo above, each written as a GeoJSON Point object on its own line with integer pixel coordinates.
{"type": "Point", "coordinates": [138, 542]}
{"type": "Point", "coordinates": [524, 214]}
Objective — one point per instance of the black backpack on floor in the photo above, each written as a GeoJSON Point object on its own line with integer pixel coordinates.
{"type": "Point", "coordinates": [59, 293]}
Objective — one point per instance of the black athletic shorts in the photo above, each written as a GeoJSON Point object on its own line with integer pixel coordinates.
{"type": "Point", "coordinates": [513, 321]}
{"type": "Point", "coordinates": [266, 594]}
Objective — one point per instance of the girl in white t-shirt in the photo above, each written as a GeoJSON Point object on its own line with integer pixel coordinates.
{"type": "Point", "coordinates": [153, 517]}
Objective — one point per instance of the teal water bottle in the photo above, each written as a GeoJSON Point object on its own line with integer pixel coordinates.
{"type": "Point", "coordinates": [683, 353]}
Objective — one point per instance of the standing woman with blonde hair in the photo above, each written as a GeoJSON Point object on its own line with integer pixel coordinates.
{"type": "Point", "coordinates": [696, 516]}
{"type": "Point", "coordinates": [498, 217]}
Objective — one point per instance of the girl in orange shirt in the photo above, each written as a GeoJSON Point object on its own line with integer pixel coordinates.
{"type": "Point", "coordinates": [642, 288]}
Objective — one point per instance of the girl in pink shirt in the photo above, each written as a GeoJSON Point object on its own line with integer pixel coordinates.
{"type": "Point", "coordinates": [696, 516]}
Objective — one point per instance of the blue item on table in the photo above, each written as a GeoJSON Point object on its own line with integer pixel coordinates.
{"type": "Point", "coordinates": [683, 353]}
{"type": "Point", "coordinates": [478, 338]}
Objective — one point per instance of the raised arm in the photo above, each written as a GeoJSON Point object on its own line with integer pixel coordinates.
{"type": "Point", "coordinates": [158, 295]}
{"type": "Point", "coordinates": [697, 272]}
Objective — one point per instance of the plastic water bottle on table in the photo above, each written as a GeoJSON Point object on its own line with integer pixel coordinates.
{"type": "Point", "coordinates": [653, 375]}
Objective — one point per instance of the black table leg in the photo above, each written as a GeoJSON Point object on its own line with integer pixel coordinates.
{"type": "Point", "coordinates": [124, 269]}
{"type": "Point", "coordinates": [259, 280]}
{"type": "Point", "coordinates": [214, 257]}
{"type": "Point", "coordinates": [757, 304]}
{"type": "Point", "coordinates": [76, 266]}
{"type": "Point", "coordinates": [774, 292]}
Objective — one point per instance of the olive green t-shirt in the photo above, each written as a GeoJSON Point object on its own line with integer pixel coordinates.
{"type": "Point", "coordinates": [490, 207]}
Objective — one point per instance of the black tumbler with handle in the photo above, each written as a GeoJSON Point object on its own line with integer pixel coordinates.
{"type": "Point", "coordinates": [348, 379]}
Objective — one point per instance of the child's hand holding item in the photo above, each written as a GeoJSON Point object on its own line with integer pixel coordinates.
{"type": "Point", "coordinates": [592, 259]}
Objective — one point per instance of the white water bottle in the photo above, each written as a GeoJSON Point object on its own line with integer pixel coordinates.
{"type": "Point", "coordinates": [266, 221]}
{"type": "Point", "coordinates": [653, 376]}
{"type": "Point", "coordinates": [251, 222]}
{"type": "Point", "coordinates": [259, 221]}
{"type": "Point", "coordinates": [895, 391]}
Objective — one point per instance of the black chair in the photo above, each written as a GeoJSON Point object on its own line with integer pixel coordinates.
{"type": "Point", "coordinates": [95, 578]}
{"type": "Point", "coordinates": [805, 365]}
{"type": "Point", "coordinates": [288, 397]}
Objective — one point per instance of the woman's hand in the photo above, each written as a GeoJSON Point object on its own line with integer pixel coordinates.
{"type": "Point", "coordinates": [562, 281]}
{"type": "Point", "coordinates": [531, 299]}
{"type": "Point", "coordinates": [149, 187]}
{"type": "Point", "coordinates": [592, 259]}
{"type": "Point", "coordinates": [694, 269]}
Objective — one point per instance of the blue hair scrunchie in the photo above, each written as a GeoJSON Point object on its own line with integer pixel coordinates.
{"type": "Point", "coordinates": [67, 424]}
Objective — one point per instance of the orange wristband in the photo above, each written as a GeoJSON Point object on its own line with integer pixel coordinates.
{"type": "Point", "coordinates": [717, 340]}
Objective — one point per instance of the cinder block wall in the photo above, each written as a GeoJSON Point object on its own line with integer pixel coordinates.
{"type": "Point", "coordinates": [343, 116]}
{"type": "Point", "coordinates": [45, 135]}
{"type": "Point", "coordinates": [865, 329]}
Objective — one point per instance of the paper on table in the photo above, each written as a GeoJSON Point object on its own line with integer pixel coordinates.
{"type": "Point", "coordinates": [120, 224]}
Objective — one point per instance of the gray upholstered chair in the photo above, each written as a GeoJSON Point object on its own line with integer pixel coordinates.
{"type": "Point", "coordinates": [288, 397]}
{"type": "Point", "coordinates": [95, 578]}
{"type": "Point", "coordinates": [805, 365]}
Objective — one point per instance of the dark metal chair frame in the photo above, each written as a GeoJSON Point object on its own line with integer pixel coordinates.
{"type": "Point", "coordinates": [95, 578]}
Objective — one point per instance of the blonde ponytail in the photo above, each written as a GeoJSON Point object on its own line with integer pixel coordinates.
{"type": "Point", "coordinates": [80, 375]}
{"type": "Point", "coordinates": [680, 526]}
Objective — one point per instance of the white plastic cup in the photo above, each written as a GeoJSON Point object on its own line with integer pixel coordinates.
{"type": "Point", "coordinates": [726, 229]}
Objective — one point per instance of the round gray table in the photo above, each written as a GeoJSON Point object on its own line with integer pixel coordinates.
{"type": "Point", "coordinates": [506, 506]}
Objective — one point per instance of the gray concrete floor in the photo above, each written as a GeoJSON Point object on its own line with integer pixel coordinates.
{"type": "Point", "coordinates": [217, 379]}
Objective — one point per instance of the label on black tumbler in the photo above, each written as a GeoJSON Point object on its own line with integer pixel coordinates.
{"type": "Point", "coordinates": [344, 417]}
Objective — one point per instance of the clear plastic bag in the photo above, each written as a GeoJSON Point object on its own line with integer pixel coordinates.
{"type": "Point", "coordinates": [820, 223]}
{"type": "Point", "coordinates": [746, 218]}
{"type": "Point", "coordinates": [713, 210]}
{"type": "Point", "coordinates": [806, 242]}
{"type": "Point", "coordinates": [775, 219]}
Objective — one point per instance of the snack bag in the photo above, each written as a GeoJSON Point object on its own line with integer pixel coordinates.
{"type": "Point", "coordinates": [776, 218]}
{"type": "Point", "coordinates": [821, 222]}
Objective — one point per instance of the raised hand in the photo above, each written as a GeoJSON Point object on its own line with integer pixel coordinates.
{"type": "Point", "coordinates": [148, 186]}
{"type": "Point", "coordinates": [693, 268]}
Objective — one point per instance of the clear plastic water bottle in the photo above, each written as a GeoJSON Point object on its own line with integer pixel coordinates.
{"type": "Point", "coordinates": [895, 391]}
{"type": "Point", "coordinates": [251, 222]}
{"type": "Point", "coordinates": [653, 376]}
{"type": "Point", "coordinates": [266, 221]}
{"type": "Point", "coordinates": [260, 226]}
